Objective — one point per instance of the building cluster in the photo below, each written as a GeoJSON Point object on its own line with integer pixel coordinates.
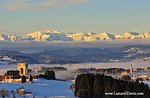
{"type": "Point", "coordinates": [131, 73]}
{"type": "Point", "coordinates": [16, 75]}
{"type": "Point", "coordinates": [141, 74]}
{"type": "Point", "coordinates": [25, 75]}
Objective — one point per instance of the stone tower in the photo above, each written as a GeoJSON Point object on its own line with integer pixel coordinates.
{"type": "Point", "coordinates": [131, 69]}
{"type": "Point", "coordinates": [23, 68]}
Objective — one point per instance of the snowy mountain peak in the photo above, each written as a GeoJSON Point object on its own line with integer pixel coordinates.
{"type": "Point", "coordinates": [42, 36]}
{"type": "Point", "coordinates": [1, 37]}
{"type": "Point", "coordinates": [131, 33]}
{"type": "Point", "coordinates": [8, 37]}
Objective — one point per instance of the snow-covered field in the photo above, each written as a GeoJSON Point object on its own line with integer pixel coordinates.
{"type": "Point", "coordinates": [43, 88]}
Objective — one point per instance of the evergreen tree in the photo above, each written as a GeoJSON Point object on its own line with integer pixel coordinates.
{"type": "Point", "coordinates": [98, 86]}
{"type": "Point", "coordinates": [77, 85]}
{"type": "Point", "coordinates": [109, 83]}
{"type": "Point", "coordinates": [130, 87]}
{"type": "Point", "coordinates": [95, 86]}
{"type": "Point", "coordinates": [137, 86]}
{"type": "Point", "coordinates": [31, 78]}
{"type": "Point", "coordinates": [86, 91]}
{"type": "Point", "coordinates": [122, 85]}
{"type": "Point", "coordinates": [49, 75]}
{"type": "Point", "coordinates": [146, 91]}
{"type": "Point", "coordinates": [52, 75]}
{"type": "Point", "coordinates": [23, 79]}
{"type": "Point", "coordinates": [115, 87]}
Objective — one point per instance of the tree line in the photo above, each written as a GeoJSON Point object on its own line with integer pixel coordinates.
{"type": "Point", "coordinates": [96, 85]}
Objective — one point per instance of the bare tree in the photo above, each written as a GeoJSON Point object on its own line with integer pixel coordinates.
{"type": "Point", "coordinates": [4, 93]}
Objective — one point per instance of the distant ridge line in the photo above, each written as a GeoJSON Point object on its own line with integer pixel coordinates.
{"type": "Point", "coordinates": [48, 35]}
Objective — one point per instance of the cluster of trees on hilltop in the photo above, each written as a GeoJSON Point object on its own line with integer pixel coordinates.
{"type": "Point", "coordinates": [49, 75]}
{"type": "Point", "coordinates": [112, 70]}
{"type": "Point", "coordinates": [95, 86]}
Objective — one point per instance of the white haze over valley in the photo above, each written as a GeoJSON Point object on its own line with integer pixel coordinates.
{"type": "Point", "coordinates": [37, 47]}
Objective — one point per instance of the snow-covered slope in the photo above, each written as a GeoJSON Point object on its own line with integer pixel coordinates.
{"type": "Point", "coordinates": [49, 35]}
{"type": "Point", "coordinates": [42, 89]}
{"type": "Point", "coordinates": [4, 59]}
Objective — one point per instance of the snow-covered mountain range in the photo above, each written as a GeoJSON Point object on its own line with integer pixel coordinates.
{"type": "Point", "coordinates": [42, 36]}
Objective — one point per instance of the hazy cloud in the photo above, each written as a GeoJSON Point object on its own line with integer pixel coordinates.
{"type": "Point", "coordinates": [40, 4]}
{"type": "Point", "coordinates": [3, 28]}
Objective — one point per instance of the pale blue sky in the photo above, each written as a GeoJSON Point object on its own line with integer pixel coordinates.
{"type": "Point", "coordinates": [113, 16]}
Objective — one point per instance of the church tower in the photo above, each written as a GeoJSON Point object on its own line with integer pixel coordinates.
{"type": "Point", "coordinates": [131, 69]}
{"type": "Point", "coordinates": [23, 68]}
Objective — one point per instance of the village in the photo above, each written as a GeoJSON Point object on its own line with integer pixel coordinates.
{"type": "Point", "coordinates": [142, 73]}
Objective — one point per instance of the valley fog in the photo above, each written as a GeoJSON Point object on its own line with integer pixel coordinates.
{"type": "Point", "coordinates": [37, 47]}
{"type": "Point", "coordinates": [74, 52]}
